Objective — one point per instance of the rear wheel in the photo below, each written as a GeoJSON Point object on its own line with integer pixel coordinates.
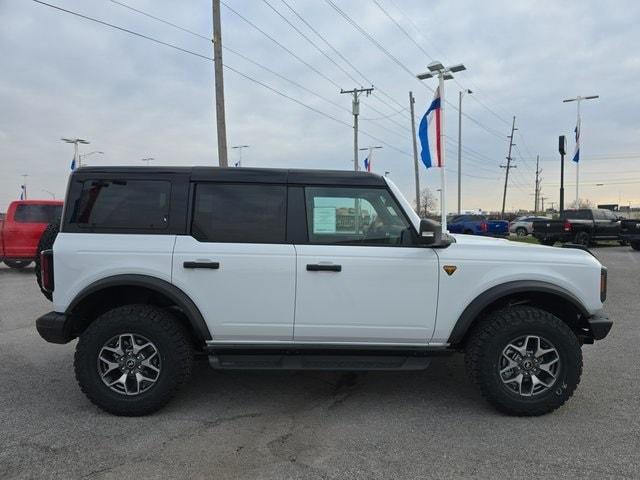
{"type": "Point", "coordinates": [132, 359]}
{"type": "Point", "coordinates": [521, 232]}
{"type": "Point", "coordinates": [524, 360]}
{"type": "Point", "coordinates": [635, 245]}
{"type": "Point", "coordinates": [582, 238]}
{"type": "Point", "coordinates": [17, 264]}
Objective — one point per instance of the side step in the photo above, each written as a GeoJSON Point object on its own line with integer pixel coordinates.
{"type": "Point", "coordinates": [317, 362]}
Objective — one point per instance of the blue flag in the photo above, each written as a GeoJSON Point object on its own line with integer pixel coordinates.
{"type": "Point", "coordinates": [367, 164]}
{"type": "Point", "coordinates": [576, 153]}
{"type": "Point", "coordinates": [21, 192]}
{"type": "Point", "coordinates": [73, 163]}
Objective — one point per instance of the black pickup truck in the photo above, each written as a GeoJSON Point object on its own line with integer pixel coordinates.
{"type": "Point", "coordinates": [630, 232]}
{"type": "Point", "coordinates": [581, 226]}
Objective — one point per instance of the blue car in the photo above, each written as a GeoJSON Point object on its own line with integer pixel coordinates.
{"type": "Point", "coordinates": [478, 225]}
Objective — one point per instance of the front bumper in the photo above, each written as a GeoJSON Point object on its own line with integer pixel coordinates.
{"type": "Point", "coordinates": [599, 325]}
{"type": "Point", "coordinates": [54, 327]}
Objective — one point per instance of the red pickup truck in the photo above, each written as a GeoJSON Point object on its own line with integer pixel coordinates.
{"type": "Point", "coordinates": [22, 228]}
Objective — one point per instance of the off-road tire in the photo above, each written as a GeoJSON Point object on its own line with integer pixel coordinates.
{"type": "Point", "coordinates": [46, 242]}
{"type": "Point", "coordinates": [493, 333]}
{"type": "Point", "coordinates": [635, 245]}
{"type": "Point", "coordinates": [17, 264]}
{"type": "Point", "coordinates": [582, 238]}
{"type": "Point", "coordinates": [521, 232]}
{"type": "Point", "coordinates": [160, 327]}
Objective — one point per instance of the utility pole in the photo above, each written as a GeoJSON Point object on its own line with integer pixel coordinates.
{"type": "Point", "coordinates": [543, 199]}
{"type": "Point", "coordinates": [576, 155]}
{"type": "Point", "coordinates": [412, 101]}
{"type": "Point", "coordinates": [460, 95]}
{"type": "Point", "coordinates": [219, 85]}
{"type": "Point", "coordinates": [538, 180]}
{"type": "Point", "coordinates": [508, 165]}
{"type": "Point", "coordinates": [355, 109]}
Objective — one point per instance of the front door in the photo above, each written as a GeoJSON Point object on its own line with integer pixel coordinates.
{"type": "Point", "coordinates": [236, 266]}
{"type": "Point", "coordinates": [362, 279]}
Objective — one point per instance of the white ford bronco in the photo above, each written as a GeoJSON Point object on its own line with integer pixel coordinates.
{"type": "Point", "coordinates": [301, 269]}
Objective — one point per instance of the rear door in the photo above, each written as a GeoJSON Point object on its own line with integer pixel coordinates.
{"type": "Point", "coordinates": [362, 279]}
{"type": "Point", "coordinates": [235, 264]}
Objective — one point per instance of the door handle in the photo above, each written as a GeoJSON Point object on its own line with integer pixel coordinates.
{"type": "Point", "coordinates": [211, 265]}
{"type": "Point", "coordinates": [317, 267]}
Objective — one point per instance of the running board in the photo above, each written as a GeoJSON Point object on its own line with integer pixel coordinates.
{"type": "Point", "coordinates": [317, 362]}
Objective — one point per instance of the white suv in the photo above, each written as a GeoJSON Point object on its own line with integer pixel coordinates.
{"type": "Point", "coordinates": [302, 269]}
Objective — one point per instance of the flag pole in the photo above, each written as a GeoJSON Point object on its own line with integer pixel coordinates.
{"type": "Point", "coordinates": [443, 178]}
{"type": "Point", "coordinates": [579, 127]}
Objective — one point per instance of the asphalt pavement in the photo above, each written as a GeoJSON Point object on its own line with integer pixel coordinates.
{"type": "Point", "coordinates": [281, 425]}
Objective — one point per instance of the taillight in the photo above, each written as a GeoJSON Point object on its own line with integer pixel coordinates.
{"type": "Point", "coordinates": [567, 226]}
{"type": "Point", "coordinates": [603, 284]}
{"type": "Point", "coordinates": [46, 270]}
{"type": "Point", "coordinates": [484, 226]}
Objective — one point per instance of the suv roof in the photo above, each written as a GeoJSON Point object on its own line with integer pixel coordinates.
{"type": "Point", "coordinates": [245, 175]}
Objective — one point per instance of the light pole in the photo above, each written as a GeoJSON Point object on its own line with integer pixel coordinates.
{"type": "Point", "coordinates": [370, 148]}
{"type": "Point", "coordinates": [82, 156]}
{"type": "Point", "coordinates": [147, 160]}
{"type": "Point", "coordinates": [239, 148]}
{"type": "Point", "coordinates": [436, 69]}
{"type": "Point", "coordinates": [576, 155]}
{"type": "Point", "coordinates": [75, 141]}
{"type": "Point", "coordinates": [24, 186]}
{"type": "Point", "coordinates": [460, 95]}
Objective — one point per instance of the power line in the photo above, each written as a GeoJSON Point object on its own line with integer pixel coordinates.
{"type": "Point", "coordinates": [238, 72]}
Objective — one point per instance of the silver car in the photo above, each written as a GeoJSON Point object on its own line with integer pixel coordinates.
{"type": "Point", "coordinates": [523, 226]}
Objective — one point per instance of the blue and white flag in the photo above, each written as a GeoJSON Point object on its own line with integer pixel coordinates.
{"type": "Point", "coordinates": [576, 153]}
{"type": "Point", "coordinates": [73, 163]}
{"type": "Point", "coordinates": [22, 192]}
{"type": "Point", "coordinates": [429, 134]}
{"type": "Point", "coordinates": [367, 164]}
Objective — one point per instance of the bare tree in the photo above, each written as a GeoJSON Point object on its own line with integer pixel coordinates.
{"type": "Point", "coordinates": [581, 203]}
{"type": "Point", "coordinates": [428, 204]}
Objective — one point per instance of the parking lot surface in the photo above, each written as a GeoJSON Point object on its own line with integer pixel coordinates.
{"type": "Point", "coordinates": [254, 425]}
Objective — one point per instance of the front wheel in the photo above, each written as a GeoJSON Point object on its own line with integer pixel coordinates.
{"type": "Point", "coordinates": [525, 361]}
{"type": "Point", "coordinates": [131, 360]}
{"type": "Point", "coordinates": [582, 238]}
{"type": "Point", "coordinates": [521, 232]}
{"type": "Point", "coordinates": [17, 264]}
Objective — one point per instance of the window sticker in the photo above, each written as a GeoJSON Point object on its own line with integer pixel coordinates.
{"type": "Point", "coordinates": [324, 220]}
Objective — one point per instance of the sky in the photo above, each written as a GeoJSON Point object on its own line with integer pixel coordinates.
{"type": "Point", "coordinates": [64, 76]}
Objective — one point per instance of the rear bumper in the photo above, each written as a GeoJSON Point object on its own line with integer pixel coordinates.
{"type": "Point", "coordinates": [54, 327]}
{"type": "Point", "coordinates": [599, 325]}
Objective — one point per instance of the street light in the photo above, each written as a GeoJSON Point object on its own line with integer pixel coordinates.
{"type": "Point", "coordinates": [576, 157]}
{"type": "Point", "coordinates": [436, 69]}
{"type": "Point", "coordinates": [147, 160]}
{"type": "Point", "coordinates": [85, 155]}
{"type": "Point", "coordinates": [75, 141]}
{"type": "Point", "coordinates": [239, 148]}
{"type": "Point", "coordinates": [370, 148]}
{"type": "Point", "coordinates": [53, 195]}
{"type": "Point", "coordinates": [460, 95]}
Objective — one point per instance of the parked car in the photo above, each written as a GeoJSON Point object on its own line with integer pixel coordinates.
{"type": "Point", "coordinates": [578, 226]}
{"type": "Point", "coordinates": [22, 227]}
{"type": "Point", "coordinates": [630, 233]}
{"type": "Point", "coordinates": [523, 226]}
{"type": "Point", "coordinates": [302, 269]}
{"type": "Point", "coordinates": [478, 225]}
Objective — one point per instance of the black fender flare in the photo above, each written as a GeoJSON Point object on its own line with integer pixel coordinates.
{"type": "Point", "coordinates": [482, 301]}
{"type": "Point", "coordinates": [173, 293]}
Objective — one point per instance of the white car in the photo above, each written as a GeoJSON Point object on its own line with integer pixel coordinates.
{"type": "Point", "coordinates": [523, 226]}
{"type": "Point", "coordinates": [302, 269]}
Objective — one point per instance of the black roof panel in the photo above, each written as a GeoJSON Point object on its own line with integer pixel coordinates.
{"type": "Point", "coordinates": [251, 175]}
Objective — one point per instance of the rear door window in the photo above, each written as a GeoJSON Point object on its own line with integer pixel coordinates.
{"type": "Point", "coordinates": [123, 204]}
{"type": "Point", "coordinates": [239, 213]}
{"type": "Point", "coordinates": [26, 213]}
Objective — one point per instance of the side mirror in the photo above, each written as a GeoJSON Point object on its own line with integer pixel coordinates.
{"type": "Point", "coordinates": [430, 232]}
